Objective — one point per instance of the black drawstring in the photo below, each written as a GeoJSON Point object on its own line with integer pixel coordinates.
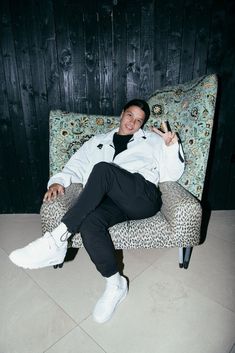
{"type": "Point", "coordinates": [181, 158]}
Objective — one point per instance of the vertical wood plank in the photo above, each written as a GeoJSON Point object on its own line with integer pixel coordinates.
{"type": "Point", "coordinates": [22, 178]}
{"type": "Point", "coordinates": [50, 55]}
{"type": "Point", "coordinates": [29, 119]}
{"type": "Point", "coordinates": [133, 49]}
{"type": "Point", "coordinates": [6, 202]}
{"type": "Point", "coordinates": [229, 75]}
{"type": "Point", "coordinates": [218, 45]}
{"type": "Point", "coordinates": [202, 9]}
{"type": "Point", "coordinates": [77, 47]}
{"type": "Point", "coordinates": [119, 57]}
{"type": "Point", "coordinates": [161, 29]}
{"type": "Point", "coordinates": [39, 86]}
{"type": "Point", "coordinates": [146, 51]}
{"type": "Point", "coordinates": [174, 40]}
{"type": "Point", "coordinates": [9, 182]}
{"type": "Point", "coordinates": [65, 58]}
{"type": "Point", "coordinates": [92, 57]}
{"type": "Point", "coordinates": [188, 42]}
{"type": "Point", "coordinates": [231, 185]}
{"type": "Point", "coordinates": [105, 59]}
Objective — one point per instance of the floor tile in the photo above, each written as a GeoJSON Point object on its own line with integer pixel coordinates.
{"type": "Point", "coordinates": [17, 230]}
{"type": "Point", "coordinates": [211, 270]}
{"type": "Point", "coordinates": [138, 260]}
{"type": "Point", "coordinates": [76, 341]}
{"type": "Point", "coordinates": [162, 314]}
{"type": "Point", "coordinates": [222, 225]}
{"type": "Point", "coordinates": [29, 320]}
{"type": "Point", "coordinates": [79, 279]}
{"type": "Point", "coordinates": [75, 287]}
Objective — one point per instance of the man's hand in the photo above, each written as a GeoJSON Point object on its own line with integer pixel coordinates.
{"type": "Point", "coordinates": [53, 191]}
{"type": "Point", "coordinates": [169, 137]}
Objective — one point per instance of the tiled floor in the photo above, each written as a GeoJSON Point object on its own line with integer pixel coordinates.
{"type": "Point", "coordinates": [168, 310]}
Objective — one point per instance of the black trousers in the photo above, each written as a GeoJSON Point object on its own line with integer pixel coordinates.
{"type": "Point", "coordinates": [111, 195]}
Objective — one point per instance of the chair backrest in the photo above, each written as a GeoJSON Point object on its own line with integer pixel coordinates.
{"type": "Point", "coordinates": [188, 107]}
{"type": "Point", "coordinates": [68, 131]}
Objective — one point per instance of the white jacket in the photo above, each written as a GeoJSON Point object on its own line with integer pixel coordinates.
{"type": "Point", "coordinates": [146, 154]}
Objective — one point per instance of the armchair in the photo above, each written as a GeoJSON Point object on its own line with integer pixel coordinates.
{"type": "Point", "coordinates": [189, 108]}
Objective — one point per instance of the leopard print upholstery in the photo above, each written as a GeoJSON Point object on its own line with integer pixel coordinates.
{"type": "Point", "coordinates": [51, 212]}
{"type": "Point", "coordinates": [177, 224]}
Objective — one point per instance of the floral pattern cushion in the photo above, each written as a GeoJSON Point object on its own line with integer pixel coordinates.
{"type": "Point", "coordinates": [188, 107]}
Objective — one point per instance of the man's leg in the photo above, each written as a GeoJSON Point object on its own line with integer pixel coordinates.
{"type": "Point", "coordinates": [96, 238]}
{"type": "Point", "coordinates": [97, 241]}
{"type": "Point", "coordinates": [111, 195]}
{"type": "Point", "coordinates": [135, 196]}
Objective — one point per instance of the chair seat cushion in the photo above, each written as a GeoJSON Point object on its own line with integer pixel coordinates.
{"type": "Point", "coordinates": [139, 234]}
{"type": "Point", "coordinates": [176, 225]}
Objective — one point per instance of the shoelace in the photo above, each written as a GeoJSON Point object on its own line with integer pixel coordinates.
{"type": "Point", "coordinates": [65, 236]}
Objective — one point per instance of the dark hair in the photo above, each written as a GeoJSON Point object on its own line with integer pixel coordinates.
{"type": "Point", "coordinates": [142, 105]}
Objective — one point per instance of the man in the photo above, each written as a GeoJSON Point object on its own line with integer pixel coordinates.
{"type": "Point", "coordinates": [120, 172]}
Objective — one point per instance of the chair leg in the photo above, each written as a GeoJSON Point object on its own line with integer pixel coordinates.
{"type": "Point", "coordinates": [59, 265]}
{"type": "Point", "coordinates": [184, 256]}
{"type": "Point", "coordinates": [187, 255]}
{"type": "Point", "coordinates": [181, 257]}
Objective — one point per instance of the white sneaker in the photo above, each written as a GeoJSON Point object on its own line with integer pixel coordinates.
{"type": "Point", "coordinates": [40, 253]}
{"type": "Point", "coordinates": [106, 305]}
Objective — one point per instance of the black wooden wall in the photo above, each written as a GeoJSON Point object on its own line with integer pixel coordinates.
{"type": "Point", "coordinates": [93, 56]}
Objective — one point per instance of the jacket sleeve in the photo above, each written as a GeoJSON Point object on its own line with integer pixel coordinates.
{"type": "Point", "coordinates": [75, 169]}
{"type": "Point", "coordinates": [171, 162]}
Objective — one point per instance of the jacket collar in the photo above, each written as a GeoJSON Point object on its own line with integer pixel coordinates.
{"type": "Point", "coordinates": [139, 134]}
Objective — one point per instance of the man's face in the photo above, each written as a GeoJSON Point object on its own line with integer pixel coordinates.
{"type": "Point", "coordinates": [131, 120]}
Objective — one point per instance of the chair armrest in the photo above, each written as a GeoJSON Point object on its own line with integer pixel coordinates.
{"type": "Point", "coordinates": [51, 212]}
{"type": "Point", "coordinates": [182, 211]}
{"type": "Point", "coordinates": [70, 196]}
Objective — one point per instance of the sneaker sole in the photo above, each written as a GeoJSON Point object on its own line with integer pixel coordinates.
{"type": "Point", "coordinates": [37, 265]}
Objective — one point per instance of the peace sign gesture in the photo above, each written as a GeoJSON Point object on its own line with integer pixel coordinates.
{"type": "Point", "coordinates": [168, 136]}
